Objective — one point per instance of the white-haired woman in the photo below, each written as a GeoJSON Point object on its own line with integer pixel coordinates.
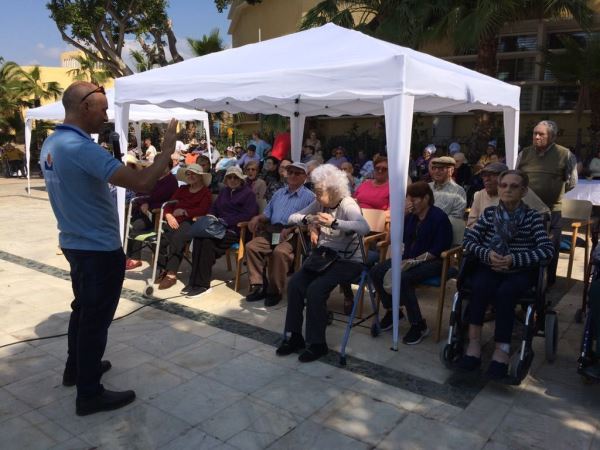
{"type": "Point", "coordinates": [335, 222]}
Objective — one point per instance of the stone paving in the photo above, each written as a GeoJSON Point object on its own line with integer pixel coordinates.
{"type": "Point", "coordinates": [206, 374]}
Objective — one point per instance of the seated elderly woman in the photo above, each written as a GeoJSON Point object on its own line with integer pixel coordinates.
{"type": "Point", "coordinates": [336, 224]}
{"type": "Point", "coordinates": [375, 193]}
{"type": "Point", "coordinates": [193, 200]}
{"type": "Point", "coordinates": [236, 203]}
{"type": "Point", "coordinates": [427, 233]}
{"type": "Point", "coordinates": [509, 240]}
{"type": "Point", "coordinates": [258, 185]}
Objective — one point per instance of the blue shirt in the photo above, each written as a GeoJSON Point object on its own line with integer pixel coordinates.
{"type": "Point", "coordinates": [76, 171]}
{"type": "Point", "coordinates": [284, 203]}
{"type": "Point", "coordinates": [261, 147]}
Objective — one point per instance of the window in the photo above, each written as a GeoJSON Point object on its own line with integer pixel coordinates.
{"type": "Point", "coordinates": [526, 98]}
{"type": "Point", "coordinates": [522, 43]}
{"type": "Point", "coordinates": [554, 39]}
{"type": "Point", "coordinates": [518, 69]}
{"type": "Point", "coordinates": [558, 97]}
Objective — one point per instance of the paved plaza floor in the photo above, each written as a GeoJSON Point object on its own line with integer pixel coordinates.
{"type": "Point", "coordinates": [206, 374]}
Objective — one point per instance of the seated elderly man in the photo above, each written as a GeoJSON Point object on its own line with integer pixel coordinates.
{"type": "Point", "coordinates": [509, 240]}
{"type": "Point", "coordinates": [488, 196]}
{"type": "Point", "coordinates": [449, 196]}
{"type": "Point", "coordinates": [266, 246]}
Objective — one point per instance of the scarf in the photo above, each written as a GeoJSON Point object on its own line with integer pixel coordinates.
{"type": "Point", "coordinates": [506, 226]}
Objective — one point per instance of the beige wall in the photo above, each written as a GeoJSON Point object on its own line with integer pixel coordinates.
{"type": "Point", "coordinates": [273, 17]}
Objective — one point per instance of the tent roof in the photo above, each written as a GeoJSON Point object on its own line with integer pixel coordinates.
{"type": "Point", "coordinates": [327, 70]}
{"type": "Point", "coordinates": [138, 113]}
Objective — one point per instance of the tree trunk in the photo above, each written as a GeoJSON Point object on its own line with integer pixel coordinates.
{"type": "Point", "coordinates": [484, 121]}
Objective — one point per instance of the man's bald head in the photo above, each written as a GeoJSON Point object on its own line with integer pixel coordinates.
{"type": "Point", "coordinates": [74, 93]}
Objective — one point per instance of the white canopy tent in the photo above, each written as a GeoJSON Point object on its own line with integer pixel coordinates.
{"type": "Point", "coordinates": [139, 113]}
{"type": "Point", "coordinates": [328, 71]}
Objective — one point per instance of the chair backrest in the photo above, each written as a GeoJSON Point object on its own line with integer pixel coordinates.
{"type": "Point", "coordinates": [262, 204]}
{"type": "Point", "coordinates": [576, 209]}
{"type": "Point", "coordinates": [458, 230]}
{"type": "Point", "coordinates": [376, 218]}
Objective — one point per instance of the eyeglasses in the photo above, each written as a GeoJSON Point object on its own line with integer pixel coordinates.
{"type": "Point", "coordinates": [509, 186]}
{"type": "Point", "coordinates": [99, 89]}
{"type": "Point", "coordinates": [381, 169]}
{"type": "Point", "coordinates": [251, 169]}
{"type": "Point", "coordinates": [439, 167]}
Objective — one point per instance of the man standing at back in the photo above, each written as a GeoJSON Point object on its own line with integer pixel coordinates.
{"type": "Point", "coordinates": [77, 172]}
{"type": "Point", "coordinates": [549, 167]}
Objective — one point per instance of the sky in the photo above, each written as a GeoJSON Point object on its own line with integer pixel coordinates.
{"type": "Point", "coordinates": [28, 35]}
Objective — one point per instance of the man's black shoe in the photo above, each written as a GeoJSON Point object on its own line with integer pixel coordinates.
{"type": "Point", "coordinates": [256, 293]}
{"type": "Point", "coordinates": [291, 345]}
{"type": "Point", "coordinates": [70, 379]}
{"type": "Point", "coordinates": [272, 299]}
{"type": "Point", "coordinates": [106, 401]}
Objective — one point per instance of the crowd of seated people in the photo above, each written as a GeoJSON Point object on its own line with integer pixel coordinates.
{"type": "Point", "coordinates": [327, 199]}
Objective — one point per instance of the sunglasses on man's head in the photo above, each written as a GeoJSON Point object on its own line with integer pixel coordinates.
{"type": "Point", "coordinates": [99, 89]}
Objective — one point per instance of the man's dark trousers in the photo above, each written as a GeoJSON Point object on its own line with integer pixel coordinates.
{"type": "Point", "coordinates": [97, 279]}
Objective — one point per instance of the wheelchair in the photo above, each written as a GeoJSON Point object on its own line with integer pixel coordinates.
{"type": "Point", "coordinates": [587, 356]}
{"type": "Point", "coordinates": [540, 320]}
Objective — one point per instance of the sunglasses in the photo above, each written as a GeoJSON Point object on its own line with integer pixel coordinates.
{"type": "Point", "coordinates": [381, 169]}
{"type": "Point", "coordinates": [295, 172]}
{"type": "Point", "coordinates": [99, 89]}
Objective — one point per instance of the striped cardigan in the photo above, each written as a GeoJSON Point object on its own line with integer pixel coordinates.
{"type": "Point", "coordinates": [528, 247]}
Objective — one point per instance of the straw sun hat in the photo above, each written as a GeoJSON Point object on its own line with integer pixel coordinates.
{"type": "Point", "coordinates": [195, 168]}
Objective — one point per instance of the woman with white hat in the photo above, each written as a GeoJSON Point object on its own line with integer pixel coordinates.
{"type": "Point", "coordinates": [236, 203]}
{"type": "Point", "coordinates": [193, 200]}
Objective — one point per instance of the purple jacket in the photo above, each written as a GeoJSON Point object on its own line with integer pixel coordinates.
{"type": "Point", "coordinates": [162, 192]}
{"type": "Point", "coordinates": [235, 206]}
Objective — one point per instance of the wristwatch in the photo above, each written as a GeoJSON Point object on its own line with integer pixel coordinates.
{"type": "Point", "coordinates": [334, 224]}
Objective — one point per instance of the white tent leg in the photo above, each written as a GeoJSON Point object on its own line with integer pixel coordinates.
{"type": "Point", "coordinates": [297, 132]}
{"type": "Point", "coordinates": [28, 153]}
{"type": "Point", "coordinates": [122, 127]}
{"type": "Point", "coordinates": [511, 136]}
{"type": "Point", "coordinates": [398, 131]}
{"type": "Point", "coordinates": [208, 146]}
{"type": "Point", "coordinates": [137, 130]}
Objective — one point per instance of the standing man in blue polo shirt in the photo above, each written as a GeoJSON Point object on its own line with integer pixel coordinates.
{"type": "Point", "coordinates": [267, 244]}
{"type": "Point", "coordinates": [77, 172]}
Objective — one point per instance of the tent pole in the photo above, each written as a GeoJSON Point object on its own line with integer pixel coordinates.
{"type": "Point", "coordinates": [398, 131]}
{"type": "Point", "coordinates": [122, 127]}
{"type": "Point", "coordinates": [511, 136]}
{"type": "Point", "coordinates": [28, 153]}
{"type": "Point", "coordinates": [297, 132]}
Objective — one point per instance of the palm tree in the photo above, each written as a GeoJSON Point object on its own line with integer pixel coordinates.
{"type": "Point", "coordinates": [579, 64]}
{"type": "Point", "coordinates": [33, 85]}
{"type": "Point", "coordinates": [11, 96]}
{"type": "Point", "coordinates": [89, 70]}
{"type": "Point", "coordinates": [142, 63]}
{"type": "Point", "coordinates": [210, 43]}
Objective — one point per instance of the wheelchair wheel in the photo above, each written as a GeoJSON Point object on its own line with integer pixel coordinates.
{"type": "Point", "coordinates": [148, 290]}
{"type": "Point", "coordinates": [519, 369]}
{"type": "Point", "coordinates": [449, 354]}
{"type": "Point", "coordinates": [551, 335]}
{"type": "Point", "coordinates": [375, 330]}
{"type": "Point", "coordinates": [579, 316]}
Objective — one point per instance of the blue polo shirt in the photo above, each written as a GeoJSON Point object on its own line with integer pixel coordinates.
{"type": "Point", "coordinates": [285, 203]}
{"type": "Point", "coordinates": [76, 171]}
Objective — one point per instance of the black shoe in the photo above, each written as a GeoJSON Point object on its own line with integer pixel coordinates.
{"type": "Point", "coordinates": [313, 352]}
{"type": "Point", "coordinates": [291, 345]}
{"type": "Point", "coordinates": [256, 293]}
{"type": "Point", "coordinates": [197, 292]}
{"type": "Point", "coordinates": [416, 333]}
{"type": "Point", "coordinates": [387, 322]}
{"type": "Point", "coordinates": [106, 401]}
{"type": "Point", "coordinates": [272, 299]}
{"type": "Point", "coordinates": [70, 379]}
{"type": "Point", "coordinates": [186, 289]}
{"type": "Point", "coordinates": [469, 363]}
{"type": "Point", "coordinates": [497, 370]}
